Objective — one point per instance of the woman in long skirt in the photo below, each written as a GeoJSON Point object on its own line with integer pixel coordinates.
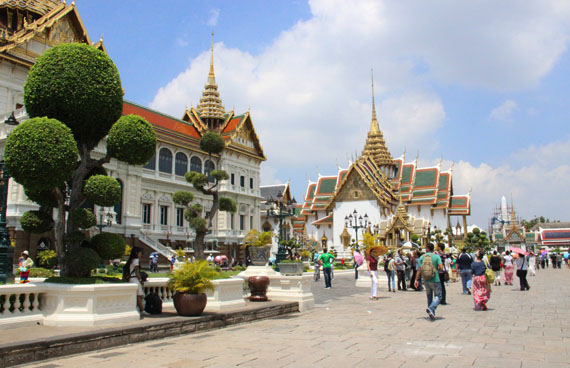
{"type": "Point", "coordinates": [481, 289]}
{"type": "Point", "coordinates": [508, 265]}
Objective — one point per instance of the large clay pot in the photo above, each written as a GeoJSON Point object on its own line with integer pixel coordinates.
{"type": "Point", "coordinates": [190, 304]}
{"type": "Point", "coordinates": [258, 287]}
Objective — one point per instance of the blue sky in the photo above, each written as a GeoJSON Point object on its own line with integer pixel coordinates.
{"type": "Point", "coordinates": [483, 85]}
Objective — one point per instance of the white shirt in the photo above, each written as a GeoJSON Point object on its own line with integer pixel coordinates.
{"type": "Point", "coordinates": [508, 260]}
{"type": "Point", "coordinates": [521, 263]}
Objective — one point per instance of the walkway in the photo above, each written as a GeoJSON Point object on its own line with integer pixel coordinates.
{"type": "Point", "coordinates": [346, 329]}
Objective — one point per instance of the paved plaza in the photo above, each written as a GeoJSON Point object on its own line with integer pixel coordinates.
{"type": "Point", "coordinates": [346, 329]}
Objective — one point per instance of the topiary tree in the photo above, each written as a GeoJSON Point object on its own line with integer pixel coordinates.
{"type": "Point", "coordinates": [213, 144]}
{"type": "Point", "coordinates": [74, 97]}
{"type": "Point", "coordinates": [108, 245]}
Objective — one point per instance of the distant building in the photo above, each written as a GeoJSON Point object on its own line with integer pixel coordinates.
{"type": "Point", "coordinates": [398, 197]}
{"type": "Point", "coordinates": [507, 231]}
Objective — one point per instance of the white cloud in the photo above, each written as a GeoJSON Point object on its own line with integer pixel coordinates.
{"type": "Point", "coordinates": [309, 90]}
{"type": "Point", "coordinates": [537, 188]}
{"type": "Point", "coordinates": [505, 111]}
{"type": "Point", "coordinates": [213, 20]}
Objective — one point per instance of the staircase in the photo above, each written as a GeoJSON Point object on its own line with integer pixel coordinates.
{"type": "Point", "coordinates": [157, 246]}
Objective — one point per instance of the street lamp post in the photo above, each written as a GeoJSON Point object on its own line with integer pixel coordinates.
{"type": "Point", "coordinates": [108, 222]}
{"type": "Point", "coordinates": [354, 221]}
{"type": "Point", "coordinates": [6, 249]}
{"type": "Point", "coordinates": [284, 211]}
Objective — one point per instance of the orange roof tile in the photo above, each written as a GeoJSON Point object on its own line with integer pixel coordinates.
{"type": "Point", "coordinates": [161, 120]}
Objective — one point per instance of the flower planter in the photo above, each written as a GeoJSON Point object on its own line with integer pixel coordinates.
{"type": "Point", "coordinates": [291, 269]}
{"type": "Point", "coordinates": [259, 256]}
{"type": "Point", "coordinates": [190, 304]}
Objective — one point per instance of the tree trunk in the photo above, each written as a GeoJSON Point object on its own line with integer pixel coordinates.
{"type": "Point", "coordinates": [60, 230]}
{"type": "Point", "coordinates": [199, 245]}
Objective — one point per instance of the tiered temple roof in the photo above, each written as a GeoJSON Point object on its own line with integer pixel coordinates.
{"type": "Point", "coordinates": [375, 146]}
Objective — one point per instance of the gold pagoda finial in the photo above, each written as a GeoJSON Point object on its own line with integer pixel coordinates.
{"type": "Point", "coordinates": [375, 146]}
{"type": "Point", "coordinates": [210, 106]}
{"type": "Point", "coordinates": [374, 128]}
{"type": "Point", "coordinates": [211, 74]}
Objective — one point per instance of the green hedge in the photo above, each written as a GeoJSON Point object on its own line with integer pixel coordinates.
{"type": "Point", "coordinates": [132, 139]}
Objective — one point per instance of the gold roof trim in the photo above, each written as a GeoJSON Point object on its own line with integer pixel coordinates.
{"type": "Point", "coordinates": [45, 22]}
{"type": "Point", "coordinates": [41, 7]}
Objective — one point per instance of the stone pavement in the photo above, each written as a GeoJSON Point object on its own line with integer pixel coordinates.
{"type": "Point", "coordinates": [346, 329]}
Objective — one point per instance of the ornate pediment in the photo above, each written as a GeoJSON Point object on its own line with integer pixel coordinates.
{"type": "Point", "coordinates": [354, 189]}
{"type": "Point", "coordinates": [63, 32]}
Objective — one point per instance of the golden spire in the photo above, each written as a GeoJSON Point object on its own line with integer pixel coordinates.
{"type": "Point", "coordinates": [374, 128]}
{"type": "Point", "coordinates": [210, 106]}
{"type": "Point", "coordinates": [375, 146]}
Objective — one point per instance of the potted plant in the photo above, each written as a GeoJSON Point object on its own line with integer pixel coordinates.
{"type": "Point", "coordinates": [291, 267]}
{"type": "Point", "coordinates": [258, 246]}
{"type": "Point", "coordinates": [257, 243]}
{"type": "Point", "coordinates": [190, 282]}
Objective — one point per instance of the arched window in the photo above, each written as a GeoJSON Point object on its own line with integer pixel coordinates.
{"type": "Point", "coordinates": [165, 161]}
{"type": "Point", "coordinates": [208, 168]}
{"type": "Point", "coordinates": [196, 164]}
{"type": "Point", "coordinates": [118, 209]}
{"type": "Point", "coordinates": [151, 165]}
{"type": "Point", "coordinates": [180, 164]}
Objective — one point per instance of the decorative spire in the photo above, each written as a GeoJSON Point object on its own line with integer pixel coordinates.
{"type": "Point", "coordinates": [210, 106]}
{"type": "Point", "coordinates": [375, 146]}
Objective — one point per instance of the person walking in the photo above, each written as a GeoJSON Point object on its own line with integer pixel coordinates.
{"type": "Point", "coordinates": [481, 289]}
{"type": "Point", "coordinates": [25, 263]}
{"type": "Point", "coordinates": [522, 269]}
{"type": "Point", "coordinates": [389, 269]}
{"type": "Point", "coordinates": [442, 273]}
{"type": "Point", "coordinates": [464, 262]}
{"type": "Point", "coordinates": [325, 260]}
{"type": "Point", "coordinates": [508, 265]}
{"type": "Point", "coordinates": [134, 275]}
{"type": "Point", "coordinates": [430, 263]}
{"type": "Point", "coordinates": [372, 263]}
{"type": "Point", "coordinates": [414, 270]}
{"type": "Point", "coordinates": [496, 267]}
{"type": "Point", "coordinates": [531, 264]}
{"type": "Point", "coordinates": [358, 260]}
{"type": "Point", "coordinates": [400, 268]}
{"type": "Point", "coordinates": [317, 266]}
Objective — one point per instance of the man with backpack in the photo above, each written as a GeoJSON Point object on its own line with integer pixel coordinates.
{"type": "Point", "coordinates": [429, 265]}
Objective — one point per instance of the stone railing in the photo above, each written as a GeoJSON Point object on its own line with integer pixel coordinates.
{"type": "Point", "coordinates": [21, 304]}
{"type": "Point", "coordinates": [66, 305]}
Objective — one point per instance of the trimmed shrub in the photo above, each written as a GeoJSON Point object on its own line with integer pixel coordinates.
{"type": "Point", "coordinates": [47, 259]}
{"type": "Point", "coordinates": [41, 154]}
{"type": "Point", "coordinates": [36, 222]}
{"type": "Point", "coordinates": [81, 261]}
{"type": "Point", "coordinates": [228, 205]}
{"type": "Point", "coordinates": [41, 272]}
{"type": "Point", "coordinates": [131, 139]}
{"type": "Point", "coordinates": [74, 237]}
{"type": "Point", "coordinates": [212, 143]}
{"type": "Point", "coordinates": [96, 101]}
{"type": "Point", "coordinates": [102, 190]}
{"type": "Point", "coordinates": [183, 198]}
{"type": "Point", "coordinates": [44, 198]}
{"type": "Point", "coordinates": [84, 218]}
{"type": "Point", "coordinates": [108, 245]}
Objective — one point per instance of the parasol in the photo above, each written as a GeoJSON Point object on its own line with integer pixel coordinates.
{"type": "Point", "coordinates": [518, 251]}
{"type": "Point", "coordinates": [358, 258]}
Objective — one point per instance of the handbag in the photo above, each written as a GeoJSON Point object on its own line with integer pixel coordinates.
{"type": "Point", "coordinates": [489, 274]}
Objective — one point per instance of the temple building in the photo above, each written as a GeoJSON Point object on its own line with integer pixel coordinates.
{"type": "Point", "coordinates": [507, 231]}
{"type": "Point", "coordinates": [146, 216]}
{"type": "Point", "coordinates": [389, 197]}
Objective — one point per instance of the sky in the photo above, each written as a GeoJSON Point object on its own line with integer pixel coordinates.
{"type": "Point", "coordinates": [481, 85]}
